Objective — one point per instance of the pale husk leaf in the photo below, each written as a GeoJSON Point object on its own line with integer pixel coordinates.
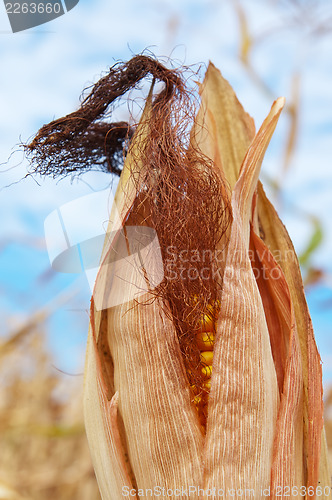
{"type": "Point", "coordinates": [315, 452]}
{"type": "Point", "coordinates": [108, 459]}
{"type": "Point", "coordinates": [160, 437]}
{"type": "Point", "coordinates": [107, 453]}
{"type": "Point", "coordinates": [244, 394]}
{"type": "Point", "coordinates": [226, 126]}
{"type": "Point", "coordinates": [164, 438]}
{"type": "Point", "coordinates": [274, 234]}
{"type": "Point", "coordinates": [287, 463]}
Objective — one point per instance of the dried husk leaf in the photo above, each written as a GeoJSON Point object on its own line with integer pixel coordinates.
{"type": "Point", "coordinates": [160, 437]}
{"type": "Point", "coordinates": [163, 436]}
{"type": "Point", "coordinates": [244, 394]}
{"type": "Point", "coordinates": [287, 464]}
{"type": "Point", "coordinates": [267, 223]}
{"type": "Point", "coordinates": [100, 411]}
{"type": "Point", "coordinates": [108, 455]}
{"type": "Point", "coordinates": [276, 237]}
{"type": "Point", "coordinates": [226, 126]}
{"type": "Point", "coordinates": [164, 439]}
{"type": "Point", "coordinates": [141, 423]}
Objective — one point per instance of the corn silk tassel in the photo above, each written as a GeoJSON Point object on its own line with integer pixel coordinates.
{"type": "Point", "coordinates": [208, 380]}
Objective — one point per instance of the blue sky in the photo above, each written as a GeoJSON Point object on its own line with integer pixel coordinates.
{"type": "Point", "coordinates": [44, 70]}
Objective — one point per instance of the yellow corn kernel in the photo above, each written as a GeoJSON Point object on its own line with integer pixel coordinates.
{"type": "Point", "coordinates": [206, 371]}
{"type": "Point", "coordinates": [207, 385]}
{"type": "Point", "coordinates": [206, 323]}
{"type": "Point", "coordinates": [205, 341]}
{"type": "Point", "coordinates": [197, 400]}
{"type": "Point", "coordinates": [207, 357]}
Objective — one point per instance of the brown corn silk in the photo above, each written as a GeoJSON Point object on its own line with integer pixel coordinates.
{"type": "Point", "coordinates": [177, 190]}
{"type": "Point", "coordinates": [265, 407]}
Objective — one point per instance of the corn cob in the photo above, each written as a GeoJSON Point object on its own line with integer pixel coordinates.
{"type": "Point", "coordinates": [205, 342]}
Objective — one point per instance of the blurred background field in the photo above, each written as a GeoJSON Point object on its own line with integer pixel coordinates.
{"type": "Point", "coordinates": [44, 454]}
{"type": "Point", "coordinates": [265, 48]}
